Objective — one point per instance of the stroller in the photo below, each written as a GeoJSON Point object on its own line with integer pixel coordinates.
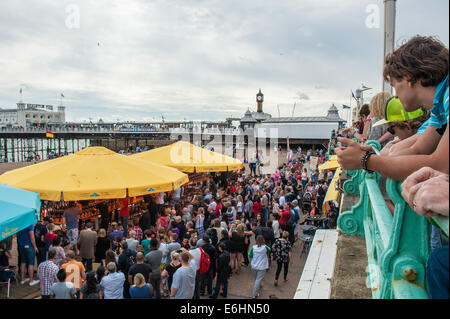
{"type": "Point", "coordinates": [306, 202]}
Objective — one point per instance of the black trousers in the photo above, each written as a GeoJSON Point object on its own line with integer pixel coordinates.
{"type": "Point", "coordinates": [206, 281]}
{"type": "Point", "coordinates": [245, 253]}
{"type": "Point", "coordinates": [156, 283]}
{"type": "Point", "coordinates": [279, 266]}
{"type": "Point", "coordinates": [197, 285]}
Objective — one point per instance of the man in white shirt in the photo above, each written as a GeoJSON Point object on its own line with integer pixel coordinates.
{"type": "Point", "coordinates": [282, 200]}
{"type": "Point", "coordinates": [159, 200]}
{"type": "Point", "coordinates": [213, 204]}
{"type": "Point", "coordinates": [196, 253]}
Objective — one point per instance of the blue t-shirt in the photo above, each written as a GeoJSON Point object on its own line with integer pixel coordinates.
{"type": "Point", "coordinates": [423, 127]}
{"type": "Point", "coordinates": [23, 237]}
{"type": "Point", "coordinates": [71, 216]}
{"type": "Point", "coordinates": [439, 112]}
{"type": "Point", "coordinates": [141, 293]}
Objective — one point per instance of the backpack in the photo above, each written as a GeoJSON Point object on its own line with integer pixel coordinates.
{"type": "Point", "coordinates": [130, 261]}
{"type": "Point", "coordinates": [37, 232]}
{"type": "Point", "coordinates": [320, 191]}
{"type": "Point", "coordinates": [268, 234]}
{"type": "Point", "coordinates": [291, 220]}
{"type": "Point", "coordinates": [204, 262]}
{"type": "Point", "coordinates": [212, 233]}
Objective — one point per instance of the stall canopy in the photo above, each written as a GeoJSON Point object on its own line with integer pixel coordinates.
{"type": "Point", "coordinates": [331, 164]}
{"type": "Point", "coordinates": [18, 210]}
{"type": "Point", "coordinates": [94, 173]}
{"type": "Point", "coordinates": [332, 192]}
{"type": "Point", "coordinates": [189, 158]}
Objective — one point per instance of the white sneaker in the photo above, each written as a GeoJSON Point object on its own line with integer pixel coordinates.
{"type": "Point", "coordinates": [34, 282]}
{"type": "Point", "coordinates": [24, 281]}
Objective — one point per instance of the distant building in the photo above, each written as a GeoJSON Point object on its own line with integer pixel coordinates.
{"type": "Point", "coordinates": [302, 128]}
{"type": "Point", "coordinates": [26, 115]}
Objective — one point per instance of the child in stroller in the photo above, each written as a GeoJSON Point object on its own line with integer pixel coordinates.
{"type": "Point", "coordinates": [306, 202]}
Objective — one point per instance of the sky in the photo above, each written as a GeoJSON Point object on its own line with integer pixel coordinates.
{"type": "Point", "coordinates": [140, 60]}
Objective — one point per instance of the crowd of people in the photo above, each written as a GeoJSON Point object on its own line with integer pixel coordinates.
{"type": "Point", "coordinates": [179, 244]}
{"type": "Point", "coordinates": [181, 241]}
{"type": "Point", "coordinates": [412, 129]}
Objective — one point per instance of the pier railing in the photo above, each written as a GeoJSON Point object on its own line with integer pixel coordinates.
{"type": "Point", "coordinates": [398, 244]}
{"type": "Point", "coordinates": [212, 131]}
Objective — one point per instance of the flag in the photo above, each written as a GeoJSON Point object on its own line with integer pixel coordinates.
{"type": "Point", "coordinates": [62, 95]}
{"type": "Point", "coordinates": [353, 95]}
{"type": "Point", "coordinates": [346, 106]}
{"type": "Point", "coordinates": [49, 134]}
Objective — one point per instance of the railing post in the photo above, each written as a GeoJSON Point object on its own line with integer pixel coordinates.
{"type": "Point", "coordinates": [404, 261]}
{"type": "Point", "coordinates": [352, 222]}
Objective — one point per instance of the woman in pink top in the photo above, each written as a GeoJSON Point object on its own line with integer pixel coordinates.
{"type": "Point", "coordinates": [276, 176]}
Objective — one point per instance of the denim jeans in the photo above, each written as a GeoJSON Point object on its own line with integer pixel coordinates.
{"type": "Point", "coordinates": [259, 276]}
{"type": "Point", "coordinates": [252, 169]}
{"type": "Point", "coordinates": [41, 255]}
{"type": "Point", "coordinates": [125, 225]}
{"type": "Point", "coordinates": [304, 182]}
{"type": "Point", "coordinates": [224, 282]}
{"type": "Point", "coordinates": [435, 237]}
{"type": "Point", "coordinates": [438, 273]}
{"type": "Point", "coordinates": [265, 213]}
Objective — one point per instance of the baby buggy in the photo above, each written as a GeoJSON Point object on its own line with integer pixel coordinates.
{"type": "Point", "coordinates": [306, 202]}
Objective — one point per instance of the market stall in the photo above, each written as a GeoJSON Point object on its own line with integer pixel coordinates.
{"type": "Point", "coordinates": [93, 176]}
{"type": "Point", "coordinates": [198, 162]}
{"type": "Point", "coordinates": [18, 210]}
{"type": "Point", "coordinates": [189, 158]}
{"type": "Point", "coordinates": [332, 192]}
{"type": "Point", "coordinates": [331, 164]}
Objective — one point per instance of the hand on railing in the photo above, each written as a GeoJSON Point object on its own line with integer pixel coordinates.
{"type": "Point", "coordinates": [349, 157]}
{"type": "Point", "coordinates": [426, 192]}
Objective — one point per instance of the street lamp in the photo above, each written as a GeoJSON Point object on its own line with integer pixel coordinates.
{"type": "Point", "coordinates": [359, 96]}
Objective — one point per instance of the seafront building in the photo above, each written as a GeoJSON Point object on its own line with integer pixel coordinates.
{"type": "Point", "coordinates": [27, 115]}
{"type": "Point", "coordinates": [22, 132]}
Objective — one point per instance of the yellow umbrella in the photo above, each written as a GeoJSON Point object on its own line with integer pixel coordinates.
{"type": "Point", "coordinates": [332, 192]}
{"type": "Point", "coordinates": [331, 164]}
{"type": "Point", "coordinates": [94, 173]}
{"type": "Point", "coordinates": [189, 158]}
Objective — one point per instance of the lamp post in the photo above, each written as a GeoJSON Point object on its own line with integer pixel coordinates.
{"type": "Point", "coordinates": [360, 97]}
{"type": "Point", "coordinates": [389, 34]}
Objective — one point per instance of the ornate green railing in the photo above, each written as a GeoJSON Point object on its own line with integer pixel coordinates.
{"type": "Point", "coordinates": [398, 244]}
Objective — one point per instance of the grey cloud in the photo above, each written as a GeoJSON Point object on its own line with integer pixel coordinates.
{"type": "Point", "coordinates": [197, 59]}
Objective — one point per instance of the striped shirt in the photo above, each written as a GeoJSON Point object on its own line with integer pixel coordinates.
{"type": "Point", "coordinates": [47, 272]}
{"type": "Point", "coordinates": [439, 112]}
{"type": "Point", "coordinates": [423, 127]}
{"type": "Point", "coordinates": [138, 231]}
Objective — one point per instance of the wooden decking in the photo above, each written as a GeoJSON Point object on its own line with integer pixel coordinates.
{"type": "Point", "coordinates": [318, 272]}
{"type": "Point", "coordinates": [18, 291]}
